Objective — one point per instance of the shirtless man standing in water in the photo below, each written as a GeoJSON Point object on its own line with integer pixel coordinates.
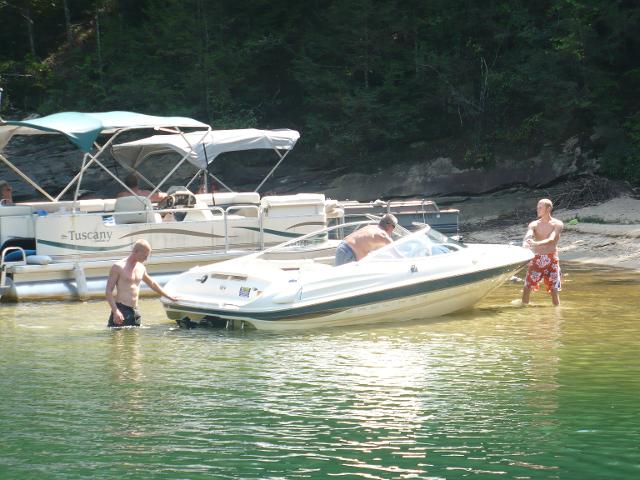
{"type": "Point", "coordinates": [542, 237]}
{"type": "Point", "coordinates": [125, 276]}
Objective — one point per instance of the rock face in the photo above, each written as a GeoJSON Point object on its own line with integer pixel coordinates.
{"type": "Point", "coordinates": [53, 163]}
{"type": "Point", "coordinates": [440, 177]}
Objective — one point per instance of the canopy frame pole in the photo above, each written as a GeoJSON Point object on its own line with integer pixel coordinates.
{"type": "Point", "coordinates": [94, 158]}
{"type": "Point", "coordinates": [182, 160]}
{"type": "Point", "coordinates": [205, 174]}
{"type": "Point", "coordinates": [78, 175]}
{"type": "Point", "coordinates": [77, 192]}
{"type": "Point", "coordinates": [207, 171]}
{"type": "Point", "coordinates": [193, 178]}
{"type": "Point", "coordinates": [274, 168]}
{"type": "Point", "coordinates": [145, 179]}
{"type": "Point", "coordinates": [220, 181]}
{"type": "Point", "coordinates": [26, 178]}
{"type": "Point", "coordinates": [118, 180]}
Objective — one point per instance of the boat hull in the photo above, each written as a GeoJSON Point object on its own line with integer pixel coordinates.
{"type": "Point", "coordinates": [422, 300]}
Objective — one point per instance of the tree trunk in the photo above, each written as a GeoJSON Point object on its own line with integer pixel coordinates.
{"type": "Point", "coordinates": [99, 47]}
{"type": "Point", "coordinates": [26, 14]}
{"type": "Point", "coordinates": [67, 20]}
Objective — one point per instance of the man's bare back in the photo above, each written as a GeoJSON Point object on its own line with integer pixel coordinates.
{"type": "Point", "coordinates": [367, 239]}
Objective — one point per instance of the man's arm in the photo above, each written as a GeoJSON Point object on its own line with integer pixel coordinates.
{"type": "Point", "coordinates": [156, 287]}
{"type": "Point", "coordinates": [114, 273]}
{"type": "Point", "coordinates": [528, 237]}
{"type": "Point", "coordinates": [553, 237]}
{"type": "Point", "coordinates": [385, 237]}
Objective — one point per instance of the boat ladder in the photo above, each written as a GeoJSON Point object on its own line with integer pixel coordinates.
{"type": "Point", "coordinates": [4, 284]}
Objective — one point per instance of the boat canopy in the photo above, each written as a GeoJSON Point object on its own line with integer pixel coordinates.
{"type": "Point", "coordinates": [201, 148]}
{"type": "Point", "coordinates": [83, 128]}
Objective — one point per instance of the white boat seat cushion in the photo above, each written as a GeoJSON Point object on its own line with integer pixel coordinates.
{"type": "Point", "coordinates": [198, 213]}
{"type": "Point", "coordinates": [229, 198]}
{"type": "Point", "coordinates": [134, 209]}
{"type": "Point", "coordinates": [297, 199]}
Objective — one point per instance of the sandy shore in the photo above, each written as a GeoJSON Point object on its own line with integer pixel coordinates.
{"type": "Point", "coordinates": [604, 234]}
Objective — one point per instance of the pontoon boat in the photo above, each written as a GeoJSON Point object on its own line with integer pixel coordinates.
{"type": "Point", "coordinates": [63, 249]}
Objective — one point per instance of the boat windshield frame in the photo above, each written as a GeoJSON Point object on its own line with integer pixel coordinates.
{"type": "Point", "coordinates": [323, 236]}
{"type": "Point", "coordinates": [425, 242]}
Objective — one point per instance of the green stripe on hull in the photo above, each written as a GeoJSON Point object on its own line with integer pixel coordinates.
{"type": "Point", "coordinates": [278, 232]}
{"type": "Point", "coordinates": [71, 246]}
{"type": "Point", "coordinates": [175, 231]}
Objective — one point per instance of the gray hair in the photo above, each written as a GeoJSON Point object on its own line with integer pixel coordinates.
{"type": "Point", "coordinates": [388, 219]}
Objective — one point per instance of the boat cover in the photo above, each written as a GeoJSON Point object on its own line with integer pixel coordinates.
{"type": "Point", "coordinates": [201, 148]}
{"type": "Point", "coordinates": [83, 128]}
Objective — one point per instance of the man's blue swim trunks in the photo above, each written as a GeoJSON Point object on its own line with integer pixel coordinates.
{"type": "Point", "coordinates": [344, 254]}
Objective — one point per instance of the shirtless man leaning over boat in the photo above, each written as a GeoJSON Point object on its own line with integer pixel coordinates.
{"type": "Point", "coordinates": [542, 237]}
{"type": "Point", "coordinates": [125, 277]}
{"type": "Point", "coordinates": [357, 245]}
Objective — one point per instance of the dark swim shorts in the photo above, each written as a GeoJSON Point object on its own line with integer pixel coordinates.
{"type": "Point", "coordinates": [131, 316]}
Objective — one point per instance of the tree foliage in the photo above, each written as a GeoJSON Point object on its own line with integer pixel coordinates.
{"type": "Point", "coordinates": [362, 79]}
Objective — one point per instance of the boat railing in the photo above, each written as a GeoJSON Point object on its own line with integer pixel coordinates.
{"type": "Point", "coordinates": [259, 216]}
{"type": "Point", "coordinates": [429, 203]}
{"type": "Point", "coordinates": [425, 205]}
{"type": "Point", "coordinates": [4, 263]}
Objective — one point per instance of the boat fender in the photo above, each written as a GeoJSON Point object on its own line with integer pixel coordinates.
{"type": "Point", "coordinates": [81, 282]}
{"type": "Point", "coordinates": [38, 260]}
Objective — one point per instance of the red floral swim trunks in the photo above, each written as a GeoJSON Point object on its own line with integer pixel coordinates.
{"type": "Point", "coordinates": [544, 266]}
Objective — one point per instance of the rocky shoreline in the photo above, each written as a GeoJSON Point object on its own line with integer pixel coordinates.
{"type": "Point", "coordinates": [606, 234]}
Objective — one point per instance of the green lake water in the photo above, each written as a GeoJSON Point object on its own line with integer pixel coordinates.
{"type": "Point", "coordinates": [496, 392]}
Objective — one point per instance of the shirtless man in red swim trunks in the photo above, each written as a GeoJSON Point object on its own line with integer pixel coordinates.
{"type": "Point", "coordinates": [542, 237]}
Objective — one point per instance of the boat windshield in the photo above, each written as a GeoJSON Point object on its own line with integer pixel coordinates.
{"type": "Point", "coordinates": [423, 243]}
{"type": "Point", "coordinates": [329, 236]}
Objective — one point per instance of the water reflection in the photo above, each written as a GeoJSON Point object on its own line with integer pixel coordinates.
{"type": "Point", "coordinates": [125, 359]}
{"type": "Point", "coordinates": [125, 365]}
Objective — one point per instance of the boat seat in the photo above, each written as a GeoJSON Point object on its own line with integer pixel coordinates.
{"type": "Point", "coordinates": [91, 205]}
{"type": "Point", "coordinates": [9, 211]}
{"type": "Point", "coordinates": [300, 204]}
{"type": "Point", "coordinates": [297, 199]}
{"type": "Point", "coordinates": [229, 198]}
{"type": "Point", "coordinates": [109, 204]}
{"type": "Point", "coordinates": [199, 213]}
{"type": "Point", "coordinates": [134, 209]}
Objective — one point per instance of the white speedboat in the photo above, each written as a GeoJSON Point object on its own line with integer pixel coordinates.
{"type": "Point", "coordinates": [421, 275]}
